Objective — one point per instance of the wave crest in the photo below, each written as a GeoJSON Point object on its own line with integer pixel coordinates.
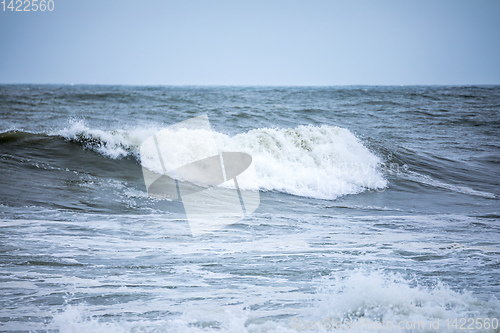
{"type": "Point", "coordinates": [321, 162]}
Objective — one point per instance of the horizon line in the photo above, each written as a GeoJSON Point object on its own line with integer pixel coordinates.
{"type": "Point", "coordinates": [258, 85]}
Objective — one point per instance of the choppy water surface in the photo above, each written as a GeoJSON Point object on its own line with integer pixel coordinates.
{"type": "Point", "coordinates": [377, 203]}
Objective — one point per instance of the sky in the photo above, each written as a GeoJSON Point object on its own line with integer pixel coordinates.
{"type": "Point", "coordinates": [241, 42]}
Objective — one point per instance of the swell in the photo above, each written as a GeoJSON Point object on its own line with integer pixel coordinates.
{"type": "Point", "coordinates": [408, 167]}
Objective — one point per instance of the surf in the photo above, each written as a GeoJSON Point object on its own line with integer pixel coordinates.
{"type": "Point", "coordinates": [323, 162]}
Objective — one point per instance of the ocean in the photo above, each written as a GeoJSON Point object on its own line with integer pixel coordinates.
{"type": "Point", "coordinates": [379, 211]}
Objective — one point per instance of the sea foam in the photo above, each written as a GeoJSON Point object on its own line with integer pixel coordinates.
{"type": "Point", "coordinates": [375, 297]}
{"type": "Point", "coordinates": [370, 301]}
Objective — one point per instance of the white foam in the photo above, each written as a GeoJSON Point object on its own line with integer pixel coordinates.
{"type": "Point", "coordinates": [78, 319]}
{"type": "Point", "coordinates": [75, 319]}
{"type": "Point", "coordinates": [321, 162]}
{"type": "Point", "coordinates": [351, 297]}
{"type": "Point", "coordinates": [377, 296]}
{"type": "Point", "coordinates": [114, 144]}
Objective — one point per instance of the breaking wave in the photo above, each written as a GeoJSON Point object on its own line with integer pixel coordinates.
{"type": "Point", "coordinates": [314, 161]}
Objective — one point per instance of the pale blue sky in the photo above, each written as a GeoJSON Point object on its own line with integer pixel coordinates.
{"type": "Point", "coordinates": [239, 42]}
